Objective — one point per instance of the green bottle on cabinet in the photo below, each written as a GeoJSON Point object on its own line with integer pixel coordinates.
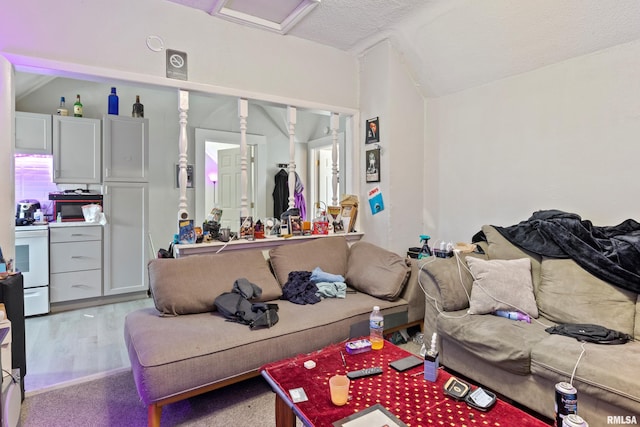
{"type": "Point", "coordinates": [77, 107]}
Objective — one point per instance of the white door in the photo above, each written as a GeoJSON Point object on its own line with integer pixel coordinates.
{"type": "Point", "coordinates": [322, 178]}
{"type": "Point", "coordinates": [325, 176]}
{"type": "Point", "coordinates": [230, 183]}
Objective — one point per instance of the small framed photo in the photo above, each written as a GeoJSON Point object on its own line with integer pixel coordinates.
{"type": "Point", "coordinates": [372, 131]}
{"type": "Point", "coordinates": [295, 225]}
{"type": "Point", "coordinates": [246, 227]}
{"type": "Point", "coordinates": [373, 165]}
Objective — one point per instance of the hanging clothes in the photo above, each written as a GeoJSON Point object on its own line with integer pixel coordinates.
{"type": "Point", "coordinates": [299, 201]}
{"type": "Point", "coordinates": [281, 193]}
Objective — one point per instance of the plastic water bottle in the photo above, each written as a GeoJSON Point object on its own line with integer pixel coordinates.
{"type": "Point", "coordinates": [376, 328]}
{"type": "Point", "coordinates": [513, 315]}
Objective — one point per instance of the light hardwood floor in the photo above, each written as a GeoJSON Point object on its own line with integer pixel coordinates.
{"type": "Point", "coordinates": [74, 344]}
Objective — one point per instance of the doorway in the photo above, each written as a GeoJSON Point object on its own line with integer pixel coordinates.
{"type": "Point", "coordinates": [321, 173]}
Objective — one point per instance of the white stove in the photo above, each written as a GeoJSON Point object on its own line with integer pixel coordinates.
{"type": "Point", "coordinates": [32, 260]}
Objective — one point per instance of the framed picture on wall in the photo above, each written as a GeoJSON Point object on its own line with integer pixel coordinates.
{"type": "Point", "coordinates": [372, 131]}
{"type": "Point", "coordinates": [373, 165]}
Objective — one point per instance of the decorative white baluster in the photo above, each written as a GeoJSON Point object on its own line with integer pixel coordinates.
{"type": "Point", "coordinates": [291, 115]}
{"type": "Point", "coordinates": [243, 112]}
{"type": "Point", "coordinates": [183, 107]}
{"type": "Point", "coordinates": [335, 123]}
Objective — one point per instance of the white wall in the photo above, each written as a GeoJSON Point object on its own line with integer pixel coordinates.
{"type": "Point", "coordinates": [388, 92]}
{"type": "Point", "coordinates": [112, 34]}
{"type": "Point", "coordinates": [107, 39]}
{"type": "Point", "coordinates": [565, 137]}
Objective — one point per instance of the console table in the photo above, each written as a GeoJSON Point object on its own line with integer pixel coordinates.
{"type": "Point", "coordinates": [183, 250]}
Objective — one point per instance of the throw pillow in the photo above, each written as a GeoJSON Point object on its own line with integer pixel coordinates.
{"type": "Point", "coordinates": [191, 284]}
{"type": "Point", "coordinates": [501, 248]}
{"type": "Point", "coordinates": [328, 253]}
{"type": "Point", "coordinates": [453, 284]}
{"type": "Point", "coordinates": [377, 271]}
{"type": "Point", "coordinates": [502, 285]}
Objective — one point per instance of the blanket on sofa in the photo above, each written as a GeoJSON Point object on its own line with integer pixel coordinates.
{"type": "Point", "coordinates": [611, 253]}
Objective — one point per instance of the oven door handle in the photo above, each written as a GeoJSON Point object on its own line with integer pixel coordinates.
{"type": "Point", "coordinates": [24, 234]}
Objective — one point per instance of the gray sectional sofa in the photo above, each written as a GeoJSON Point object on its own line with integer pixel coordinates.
{"type": "Point", "coordinates": [183, 347]}
{"type": "Point", "coordinates": [520, 360]}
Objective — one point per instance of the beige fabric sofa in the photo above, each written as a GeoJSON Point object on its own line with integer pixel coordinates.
{"type": "Point", "coordinates": [183, 347]}
{"type": "Point", "coordinates": [523, 362]}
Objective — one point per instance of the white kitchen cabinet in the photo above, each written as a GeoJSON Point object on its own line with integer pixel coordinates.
{"type": "Point", "coordinates": [76, 150]}
{"type": "Point", "coordinates": [75, 262]}
{"type": "Point", "coordinates": [126, 252]}
{"type": "Point", "coordinates": [125, 149]}
{"type": "Point", "coordinates": [33, 133]}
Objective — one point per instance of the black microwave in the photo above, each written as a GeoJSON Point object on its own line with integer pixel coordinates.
{"type": "Point", "coordinates": [68, 204]}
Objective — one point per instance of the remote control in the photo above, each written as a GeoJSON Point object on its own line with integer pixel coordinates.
{"type": "Point", "coordinates": [368, 372]}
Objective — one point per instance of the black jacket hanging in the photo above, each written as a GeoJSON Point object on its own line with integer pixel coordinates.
{"type": "Point", "coordinates": [281, 193]}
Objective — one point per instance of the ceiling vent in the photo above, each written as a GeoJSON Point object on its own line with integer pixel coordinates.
{"type": "Point", "coordinates": [274, 15]}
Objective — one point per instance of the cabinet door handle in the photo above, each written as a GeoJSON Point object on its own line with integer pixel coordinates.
{"type": "Point", "coordinates": [80, 285]}
{"type": "Point", "coordinates": [77, 256]}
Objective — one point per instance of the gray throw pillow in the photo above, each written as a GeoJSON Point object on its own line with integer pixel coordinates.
{"type": "Point", "coordinates": [191, 284]}
{"type": "Point", "coordinates": [377, 271]}
{"type": "Point", "coordinates": [502, 285]}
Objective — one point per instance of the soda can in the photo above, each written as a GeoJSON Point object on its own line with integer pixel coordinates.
{"type": "Point", "coordinates": [566, 402]}
{"type": "Point", "coordinates": [574, 420]}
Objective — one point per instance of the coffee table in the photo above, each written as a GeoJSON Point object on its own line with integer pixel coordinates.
{"type": "Point", "coordinates": [407, 395]}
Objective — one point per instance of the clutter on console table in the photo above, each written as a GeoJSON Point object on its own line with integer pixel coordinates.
{"type": "Point", "coordinates": [182, 250]}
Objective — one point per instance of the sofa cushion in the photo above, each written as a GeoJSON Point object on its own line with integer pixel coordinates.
{"type": "Point", "coordinates": [453, 280]}
{"type": "Point", "coordinates": [570, 294]}
{"type": "Point", "coordinates": [328, 253]}
{"type": "Point", "coordinates": [501, 248]}
{"type": "Point", "coordinates": [377, 271]}
{"type": "Point", "coordinates": [502, 285]}
{"type": "Point", "coordinates": [604, 371]}
{"type": "Point", "coordinates": [181, 354]}
{"type": "Point", "coordinates": [191, 284]}
{"type": "Point", "coordinates": [503, 342]}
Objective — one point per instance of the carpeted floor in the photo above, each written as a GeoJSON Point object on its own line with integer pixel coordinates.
{"type": "Point", "coordinates": [112, 400]}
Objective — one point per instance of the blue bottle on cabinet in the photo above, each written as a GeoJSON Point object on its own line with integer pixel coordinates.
{"type": "Point", "coordinates": [113, 102]}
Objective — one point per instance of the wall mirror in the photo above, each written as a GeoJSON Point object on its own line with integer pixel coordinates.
{"type": "Point", "coordinates": [218, 165]}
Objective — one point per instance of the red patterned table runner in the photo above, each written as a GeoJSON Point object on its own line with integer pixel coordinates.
{"type": "Point", "coordinates": [414, 400]}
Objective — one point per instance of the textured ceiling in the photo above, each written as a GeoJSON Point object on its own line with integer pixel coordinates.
{"type": "Point", "coordinates": [452, 45]}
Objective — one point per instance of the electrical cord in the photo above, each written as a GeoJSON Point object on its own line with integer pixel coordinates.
{"type": "Point", "coordinates": [234, 236]}
{"type": "Point", "coordinates": [434, 300]}
{"type": "Point", "coordinates": [15, 381]}
{"type": "Point", "coordinates": [577, 363]}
